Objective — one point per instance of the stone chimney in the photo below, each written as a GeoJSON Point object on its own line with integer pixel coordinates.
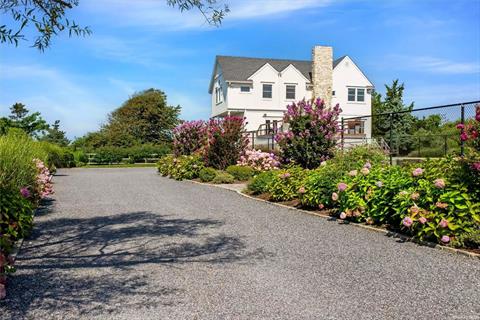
{"type": "Point", "coordinates": [322, 58]}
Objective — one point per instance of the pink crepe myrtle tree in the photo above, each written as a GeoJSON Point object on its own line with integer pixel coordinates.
{"type": "Point", "coordinates": [312, 133]}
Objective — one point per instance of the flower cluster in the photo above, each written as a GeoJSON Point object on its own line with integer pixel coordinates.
{"type": "Point", "coordinates": [311, 135]}
{"type": "Point", "coordinates": [470, 132]}
{"type": "Point", "coordinates": [189, 137]}
{"type": "Point", "coordinates": [258, 160]}
{"type": "Point", "coordinates": [44, 180]}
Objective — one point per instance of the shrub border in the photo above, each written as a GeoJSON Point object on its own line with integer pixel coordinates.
{"type": "Point", "coordinates": [388, 233]}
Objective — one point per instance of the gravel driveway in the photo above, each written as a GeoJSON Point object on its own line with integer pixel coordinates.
{"type": "Point", "coordinates": [128, 244]}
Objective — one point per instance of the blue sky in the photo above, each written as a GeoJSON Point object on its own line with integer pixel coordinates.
{"type": "Point", "coordinates": [433, 46]}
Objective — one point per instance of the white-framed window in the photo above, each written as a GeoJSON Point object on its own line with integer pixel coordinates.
{"type": "Point", "coordinates": [356, 94]}
{"type": "Point", "coordinates": [267, 91]}
{"type": "Point", "coordinates": [218, 95]}
{"type": "Point", "coordinates": [244, 89]}
{"type": "Point", "coordinates": [290, 91]}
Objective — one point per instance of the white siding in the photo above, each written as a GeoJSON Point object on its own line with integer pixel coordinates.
{"type": "Point", "coordinates": [346, 75]}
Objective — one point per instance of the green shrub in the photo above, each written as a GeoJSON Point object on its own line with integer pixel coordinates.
{"type": "Point", "coordinates": [223, 178]}
{"type": "Point", "coordinates": [426, 202]}
{"type": "Point", "coordinates": [17, 151]}
{"type": "Point", "coordinates": [58, 157]}
{"type": "Point", "coordinates": [183, 167]}
{"type": "Point", "coordinates": [286, 184]}
{"type": "Point", "coordinates": [207, 174]}
{"type": "Point", "coordinates": [468, 240]}
{"type": "Point", "coordinates": [261, 181]}
{"type": "Point", "coordinates": [241, 173]}
{"type": "Point", "coordinates": [320, 183]}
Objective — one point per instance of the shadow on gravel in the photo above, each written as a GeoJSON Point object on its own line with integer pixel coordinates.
{"type": "Point", "coordinates": [88, 264]}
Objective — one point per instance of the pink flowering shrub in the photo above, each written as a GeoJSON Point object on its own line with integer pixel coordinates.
{"type": "Point", "coordinates": [226, 141]}
{"type": "Point", "coordinates": [427, 201]}
{"type": "Point", "coordinates": [287, 184]}
{"type": "Point", "coordinates": [258, 160]}
{"type": "Point", "coordinates": [44, 186]}
{"type": "Point", "coordinates": [311, 135]}
{"type": "Point", "coordinates": [470, 134]}
{"type": "Point", "coordinates": [189, 137]}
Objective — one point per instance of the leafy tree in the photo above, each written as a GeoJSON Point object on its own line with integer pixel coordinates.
{"type": "Point", "coordinates": [392, 117]}
{"type": "Point", "coordinates": [49, 18]}
{"type": "Point", "coordinates": [33, 124]}
{"type": "Point", "coordinates": [55, 135]}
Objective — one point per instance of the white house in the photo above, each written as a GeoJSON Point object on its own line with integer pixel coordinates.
{"type": "Point", "coordinates": [259, 89]}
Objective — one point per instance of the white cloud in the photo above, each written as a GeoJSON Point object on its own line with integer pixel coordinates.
{"type": "Point", "coordinates": [432, 64]}
{"type": "Point", "coordinates": [55, 95]}
{"type": "Point", "coordinates": [158, 14]}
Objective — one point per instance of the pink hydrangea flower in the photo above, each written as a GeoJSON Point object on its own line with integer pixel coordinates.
{"type": "Point", "coordinates": [342, 186]}
{"type": "Point", "coordinates": [414, 209]}
{"type": "Point", "coordinates": [443, 223]}
{"type": "Point", "coordinates": [379, 184]}
{"type": "Point", "coordinates": [415, 196]}
{"type": "Point", "coordinates": [439, 183]}
{"type": "Point", "coordinates": [422, 220]}
{"type": "Point", "coordinates": [367, 165]}
{"type": "Point", "coordinates": [343, 215]}
{"type": "Point", "coordinates": [334, 196]}
{"type": "Point", "coordinates": [369, 220]}
{"type": "Point", "coordinates": [25, 192]}
{"type": "Point", "coordinates": [285, 175]}
{"type": "Point", "coordinates": [321, 206]}
{"type": "Point", "coordinates": [441, 205]}
{"type": "Point", "coordinates": [464, 136]}
{"type": "Point", "coordinates": [417, 172]}
{"type": "Point", "coordinates": [302, 190]}
{"type": "Point", "coordinates": [460, 126]}
{"type": "Point", "coordinates": [365, 171]}
{"type": "Point", "coordinates": [445, 239]}
{"type": "Point", "coordinates": [476, 166]}
{"type": "Point", "coordinates": [407, 222]}
{"type": "Point", "coordinates": [352, 173]}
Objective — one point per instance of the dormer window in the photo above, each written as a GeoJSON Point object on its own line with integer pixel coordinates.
{"type": "Point", "coordinates": [356, 94]}
{"type": "Point", "coordinates": [267, 91]}
{"type": "Point", "coordinates": [290, 92]}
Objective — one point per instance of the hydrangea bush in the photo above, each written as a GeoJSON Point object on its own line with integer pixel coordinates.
{"type": "Point", "coordinates": [259, 160]}
{"type": "Point", "coordinates": [189, 137]}
{"type": "Point", "coordinates": [311, 135]}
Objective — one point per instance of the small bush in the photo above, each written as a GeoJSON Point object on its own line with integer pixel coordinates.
{"type": "Point", "coordinates": [286, 184]}
{"type": "Point", "coordinates": [223, 178]}
{"type": "Point", "coordinates": [261, 181]}
{"type": "Point", "coordinates": [241, 173]}
{"type": "Point", "coordinates": [259, 160]}
{"type": "Point", "coordinates": [183, 167]}
{"type": "Point", "coordinates": [468, 240]}
{"type": "Point", "coordinates": [207, 174]}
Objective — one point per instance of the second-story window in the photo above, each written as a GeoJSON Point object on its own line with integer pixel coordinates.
{"type": "Point", "coordinates": [218, 95]}
{"type": "Point", "coordinates": [244, 89]}
{"type": "Point", "coordinates": [267, 91]}
{"type": "Point", "coordinates": [290, 90]}
{"type": "Point", "coordinates": [356, 94]}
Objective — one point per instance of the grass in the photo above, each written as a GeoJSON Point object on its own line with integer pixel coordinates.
{"type": "Point", "coordinates": [121, 165]}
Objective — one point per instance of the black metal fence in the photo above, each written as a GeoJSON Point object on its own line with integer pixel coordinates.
{"type": "Point", "coordinates": [416, 133]}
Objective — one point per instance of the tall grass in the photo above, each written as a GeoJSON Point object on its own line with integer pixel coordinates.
{"type": "Point", "coordinates": [17, 151]}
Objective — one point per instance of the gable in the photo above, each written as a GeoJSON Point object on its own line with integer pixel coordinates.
{"type": "Point", "coordinates": [348, 66]}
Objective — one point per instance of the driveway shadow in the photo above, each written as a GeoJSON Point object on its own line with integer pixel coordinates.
{"type": "Point", "coordinates": [88, 265]}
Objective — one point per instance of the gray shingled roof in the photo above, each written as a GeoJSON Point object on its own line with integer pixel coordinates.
{"type": "Point", "coordinates": [241, 68]}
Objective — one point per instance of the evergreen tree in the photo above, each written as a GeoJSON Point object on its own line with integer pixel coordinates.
{"type": "Point", "coordinates": [55, 135]}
